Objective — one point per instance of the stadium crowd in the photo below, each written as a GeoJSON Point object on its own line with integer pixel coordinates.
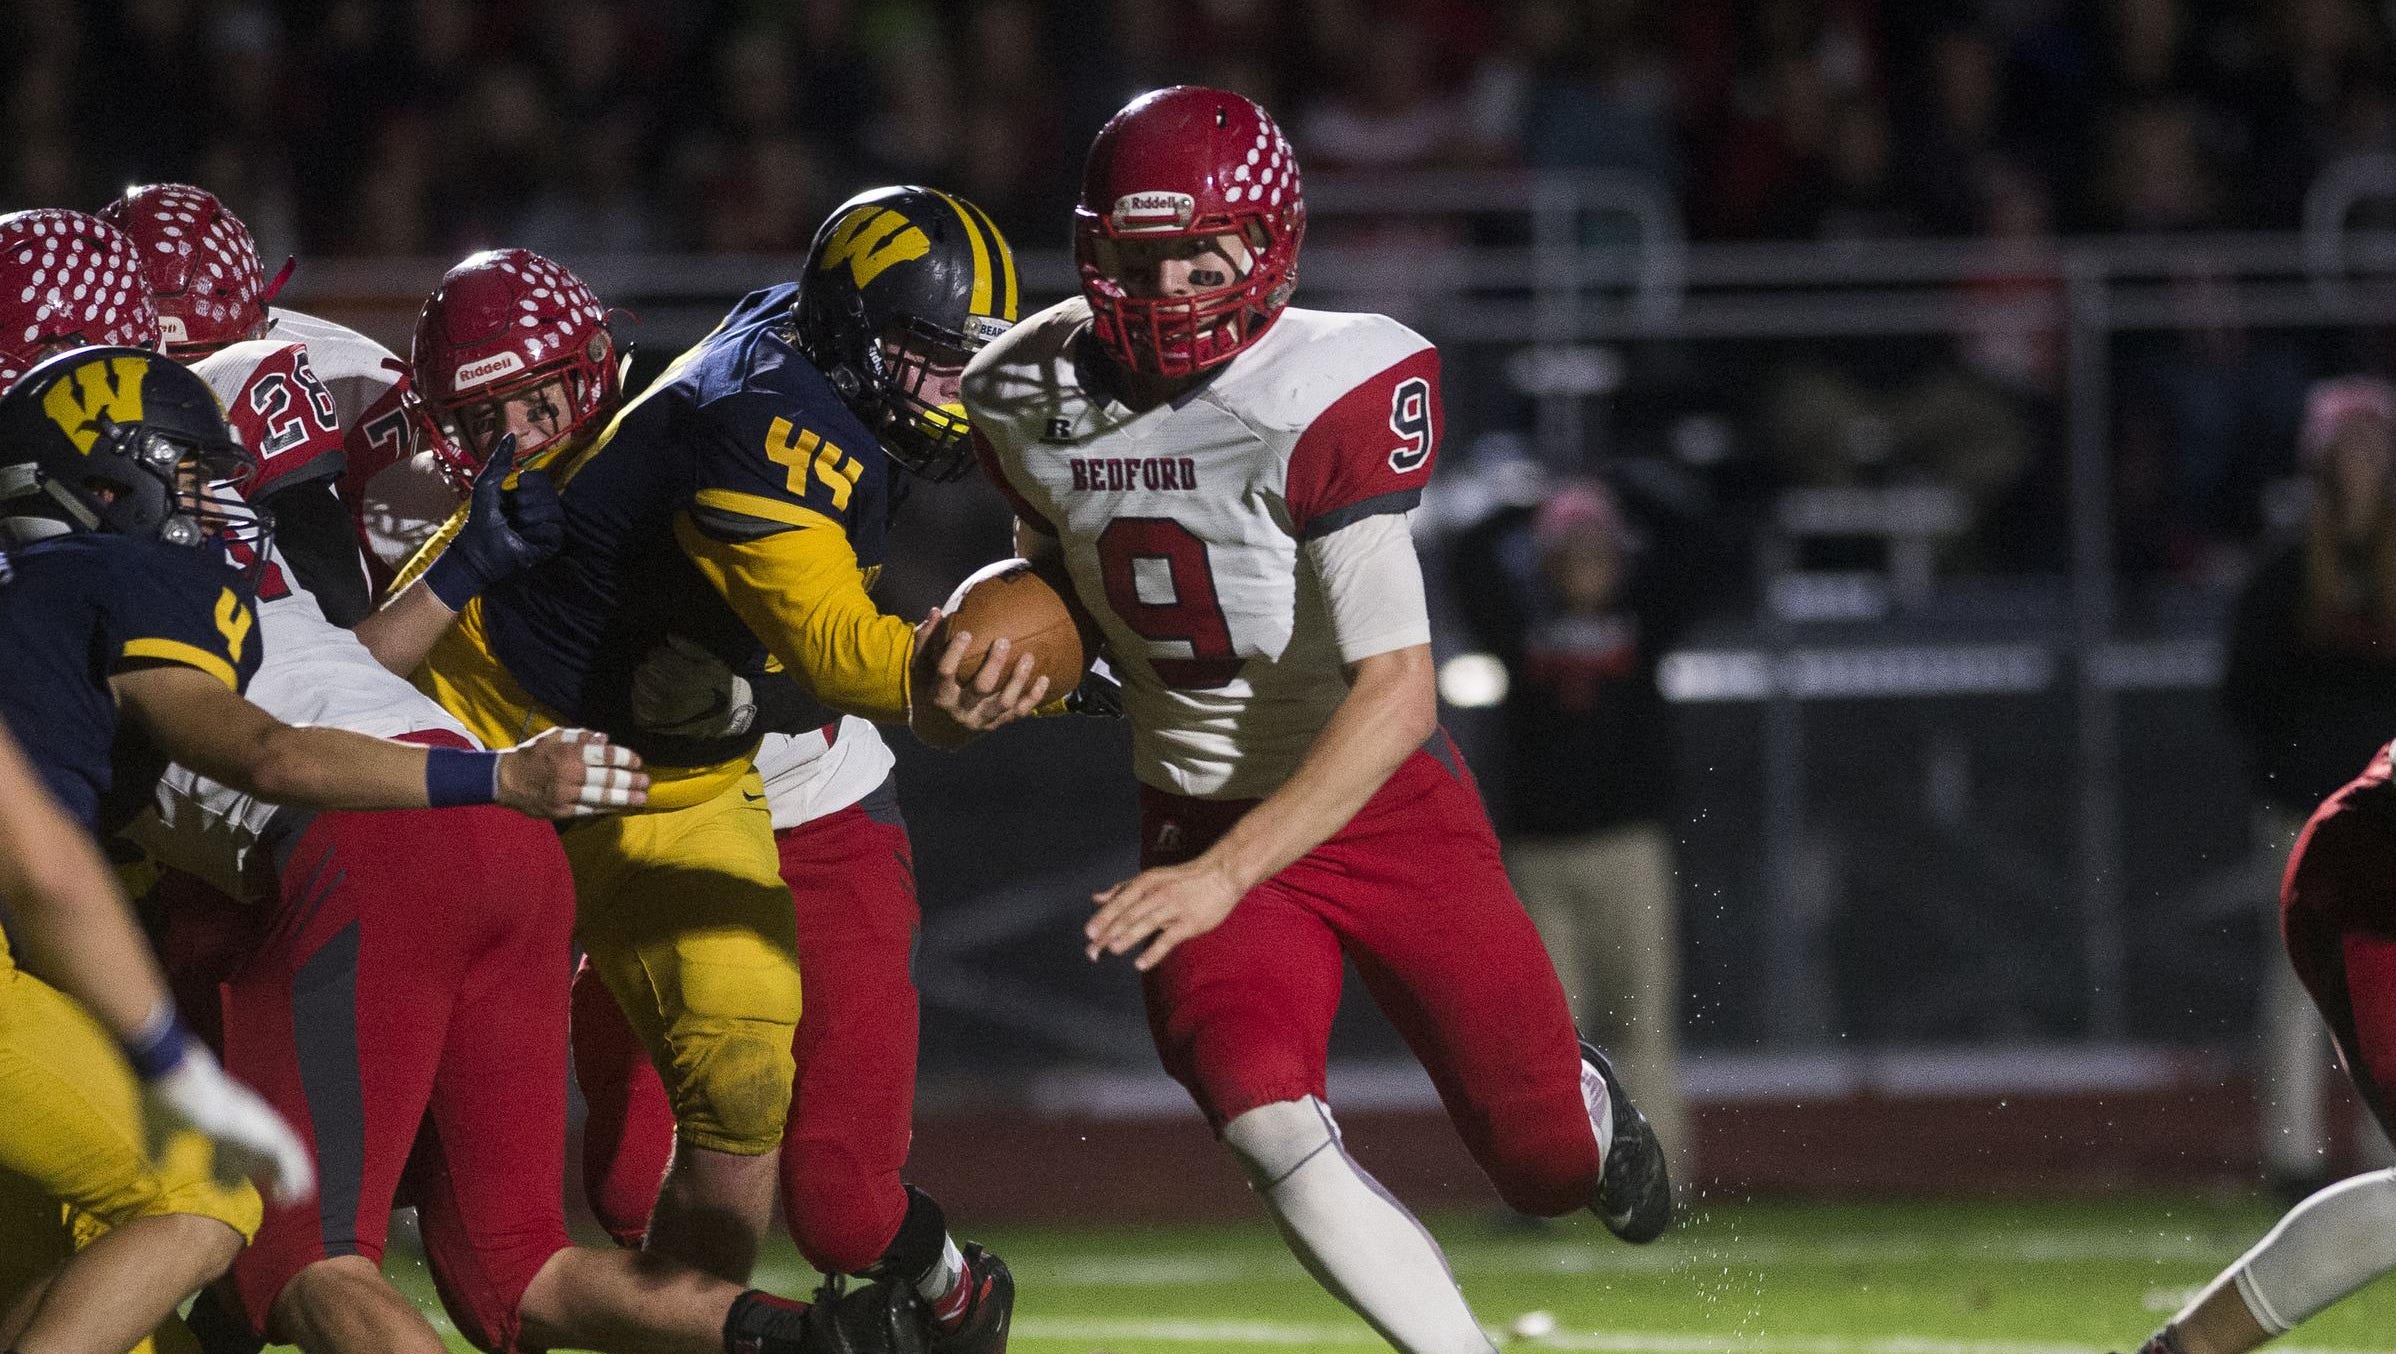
{"type": "Point", "coordinates": [435, 125]}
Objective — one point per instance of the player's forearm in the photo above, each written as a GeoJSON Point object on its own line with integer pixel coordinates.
{"type": "Point", "coordinates": [71, 927]}
{"type": "Point", "coordinates": [404, 630]}
{"type": "Point", "coordinates": [801, 594]}
{"type": "Point", "coordinates": [1390, 710]}
{"type": "Point", "coordinates": [321, 768]}
{"type": "Point", "coordinates": [68, 921]}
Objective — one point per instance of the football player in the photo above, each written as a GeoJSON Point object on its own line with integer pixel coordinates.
{"type": "Point", "coordinates": [118, 615]}
{"type": "Point", "coordinates": [842, 848]}
{"type": "Point", "coordinates": [68, 919]}
{"type": "Point", "coordinates": [2338, 918]}
{"type": "Point", "coordinates": [415, 1032]}
{"type": "Point", "coordinates": [202, 270]}
{"type": "Point", "coordinates": [1223, 483]}
{"type": "Point", "coordinates": [737, 509]}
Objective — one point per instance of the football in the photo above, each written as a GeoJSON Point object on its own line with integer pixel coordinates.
{"type": "Point", "coordinates": [1010, 599]}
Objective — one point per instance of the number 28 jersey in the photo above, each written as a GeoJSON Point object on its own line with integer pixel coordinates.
{"type": "Point", "coordinates": [1195, 532]}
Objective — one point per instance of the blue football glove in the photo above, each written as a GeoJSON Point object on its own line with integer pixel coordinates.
{"type": "Point", "coordinates": [507, 530]}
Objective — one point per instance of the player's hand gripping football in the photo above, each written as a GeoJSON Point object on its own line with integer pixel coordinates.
{"type": "Point", "coordinates": [571, 773]}
{"type": "Point", "coordinates": [251, 1139]}
{"type": "Point", "coordinates": [958, 711]}
{"type": "Point", "coordinates": [1162, 907]}
{"type": "Point", "coordinates": [508, 529]}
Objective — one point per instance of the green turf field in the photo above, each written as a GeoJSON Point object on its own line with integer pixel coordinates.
{"type": "Point", "coordinates": [2071, 1278]}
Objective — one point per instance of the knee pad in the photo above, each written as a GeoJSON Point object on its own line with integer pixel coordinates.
{"type": "Point", "coordinates": [1274, 1140]}
{"type": "Point", "coordinates": [730, 1001]}
{"type": "Point", "coordinates": [730, 1082]}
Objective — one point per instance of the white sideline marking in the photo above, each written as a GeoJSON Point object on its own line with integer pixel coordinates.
{"type": "Point", "coordinates": [1164, 1269]}
{"type": "Point", "coordinates": [1291, 1334]}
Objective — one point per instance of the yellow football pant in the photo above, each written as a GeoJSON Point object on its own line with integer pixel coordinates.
{"type": "Point", "coordinates": [685, 916]}
{"type": "Point", "coordinates": [71, 1134]}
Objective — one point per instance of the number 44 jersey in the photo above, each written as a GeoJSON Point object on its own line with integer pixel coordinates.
{"type": "Point", "coordinates": [1237, 545]}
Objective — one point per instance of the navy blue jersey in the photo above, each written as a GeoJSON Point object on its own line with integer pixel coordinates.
{"type": "Point", "coordinates": [743, 436]}
{"type": "Point", "coordinates": [78, 608]}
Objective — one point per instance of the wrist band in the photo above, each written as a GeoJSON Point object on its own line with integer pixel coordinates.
{"type": "Point", "coordinates": [158, 1048]}
{"type": "Point", "coordinates": [454, 777]}
{"type": "Point", "coordinates": [451, 580]}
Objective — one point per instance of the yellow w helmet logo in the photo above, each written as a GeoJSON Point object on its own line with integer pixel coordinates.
{"type": "Point", "coordinates": [869, 240]}
{"type": "Point", "coordinates": [107, 387]}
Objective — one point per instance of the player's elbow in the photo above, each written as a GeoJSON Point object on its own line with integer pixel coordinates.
{"type": "Point", "coordinates": [277, 767]}
{"type": "Point", "coordinates": [1404, 691]}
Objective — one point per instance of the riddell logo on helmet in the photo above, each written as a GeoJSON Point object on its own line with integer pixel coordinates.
{"type": "Point", "coordinates": [170, 328]}
{"type": "Point", "coordinates": [1154, 211]}
{"type": "Point", "coordinates": [487, 370]}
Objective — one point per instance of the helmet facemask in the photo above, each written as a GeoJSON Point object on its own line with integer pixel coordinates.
{"type": "Point", "coordinates": [142, 482]}
{"type": "Point", "coordinates": [555, 405]}
{"type": "Point", "coordinates": [1125, 278]}
{"type": "Point", "coordinates": [922, 423]}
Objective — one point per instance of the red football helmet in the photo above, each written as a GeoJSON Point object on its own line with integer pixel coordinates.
{"type": "Point", "coordinates": [200, 263]}
{"type": "Point", "coordinates": [503, 322]}
{"type": "Point", "coordinates": [1180, 163]}
{"type": "Point", "coordinates": [67, 279]}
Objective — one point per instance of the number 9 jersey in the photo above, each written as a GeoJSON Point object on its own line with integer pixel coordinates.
{"type": "Point", "coordinates": [1238, 545]}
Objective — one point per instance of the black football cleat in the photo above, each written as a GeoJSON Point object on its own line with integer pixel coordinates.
{"type": "Point", "coordinates": [1634, 1187]}
{"type": "Point", "coordinates": [989, 1308]}
{"type": "Point", "coordinates": [881, 1318]}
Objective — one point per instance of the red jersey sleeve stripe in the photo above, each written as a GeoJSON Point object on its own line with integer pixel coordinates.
{"type": "Point", "coordinates": [1370, 451]}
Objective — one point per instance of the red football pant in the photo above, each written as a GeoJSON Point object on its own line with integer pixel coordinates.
{"type": "Point", "coordinates": [1412, 890]}
{"type": "Point", "coordinates": [852, 879]}
{"type": "Point", "coordinates": [409, 998]}
{"type": "Point", "coordinates": [2338, 916]}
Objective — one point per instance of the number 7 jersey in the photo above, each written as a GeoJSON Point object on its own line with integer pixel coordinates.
{"type": "Point", "coordinates": [1193, 531]}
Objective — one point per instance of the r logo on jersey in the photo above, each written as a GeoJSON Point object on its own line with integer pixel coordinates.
{"type": "Point", "coordinates": [110, 388]}
{"type": "Point", "coordinates": [1410, 418]}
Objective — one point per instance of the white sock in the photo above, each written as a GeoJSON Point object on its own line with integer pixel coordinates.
{"type": "Point", "coordinates": [1355, 1239]}
{"type": "Point", "coordinates": [942, 1279]}
{"type": "Point", "coordinates": [1600, 1103]}
{"type": "Point", "coordinates": [2325, 1248]}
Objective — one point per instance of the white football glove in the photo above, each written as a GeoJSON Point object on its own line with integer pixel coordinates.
{"type": "Point", "coordinates": [682, 689]}
{"type": "Point", "coordinates": [251, 1139]}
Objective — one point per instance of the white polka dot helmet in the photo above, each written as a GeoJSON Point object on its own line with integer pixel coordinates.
{"type": "Point", "coordinates": [1188, 162]}
{"type": "Point", "coordinates": [504, 321]}
{"type": "Point", "coordinates": [67, 280]}
{"type": "Point", "coordinates": [200, 264]}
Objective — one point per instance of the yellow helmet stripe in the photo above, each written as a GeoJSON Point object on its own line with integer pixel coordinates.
{"type": "Point", "coordinates": [1003, 254]}
{"type": "Point", "coordinates": [981, 255]}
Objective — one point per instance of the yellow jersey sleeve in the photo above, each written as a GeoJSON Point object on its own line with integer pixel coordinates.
{"type": "Point", "coordinates": [425, 555]}
{"type": "Point", "coordinates": [801, 592]}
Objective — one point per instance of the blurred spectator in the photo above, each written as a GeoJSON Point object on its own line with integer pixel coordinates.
{"type": "Point", "coordinates": [1956, 126]}
{"type": "Point", "coordinates": [2311, 677]}
{"type": "Point", "coordinates": [621, 124]}
{"type": "Point", "coordinates": [1580, 601]}
{"type": "Point", "coordinates": [1384, 111]}
{"type": "Point", "coordinates": [1579, 86]}
{"type": "Point", "coordinates": [2310, 687]}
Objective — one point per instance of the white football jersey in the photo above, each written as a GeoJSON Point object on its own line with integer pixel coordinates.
{"type": "Point", "coordinates": [809, 775]}
{"type": "Point", "coordinates": [1187, 529]}
{"type": "Point", "coordinates": [314, 672]}
{"type": "Point", "coordinates": [367, 382]}
{"type": "Point", "coordinates": [399, 508]}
